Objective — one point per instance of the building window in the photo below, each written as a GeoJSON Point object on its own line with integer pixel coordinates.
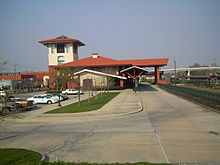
{"type": "Point", "coordinates": [60, 60]}
{"type": "Point", "coordinates": [53, 49]}
{"type": "Point", "coordinates": [60, 48]}
{"type": "Point", "coordinates": [67, 48]}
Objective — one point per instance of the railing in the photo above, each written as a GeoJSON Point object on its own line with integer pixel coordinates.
{"type": "Point", "coordinates": [194, 92]}
{"type": "Point", "coordinates": [200, 82]}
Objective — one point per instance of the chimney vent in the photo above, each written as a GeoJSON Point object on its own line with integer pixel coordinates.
{"type": "Point", "coordinates": [95, 55]}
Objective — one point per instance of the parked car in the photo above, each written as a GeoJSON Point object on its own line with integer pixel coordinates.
{"type": "Point", "coordinates": [55, 96]}
{"type": "Point", "coordinates": [64, 97]}
{"type": "Point", "coordinates": [7, 106]}
{"type": "Point", "coordinates": [43, 99]}
{"type": "Point", "coordinates": [71, 92]}
{"type": "Point", "coordinates": [25, 104]}
{"type": "Point", "coordinates": [2, 93]}
{"type": "Point", "coordinates": [58, 96]}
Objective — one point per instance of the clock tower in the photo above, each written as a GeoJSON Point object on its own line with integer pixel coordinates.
{"type": "Point", "coordinates": [62, 50]}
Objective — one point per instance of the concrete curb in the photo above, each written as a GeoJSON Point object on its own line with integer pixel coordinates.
{"type": "Point", "coordinates": [76, 119]}
{"type": "Point", "coordinates": [44, 157]}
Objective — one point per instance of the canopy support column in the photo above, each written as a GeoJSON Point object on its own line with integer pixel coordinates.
{"type": "Point", "coordinates": [122, 83]}
{"type": "Point", "coordinates": [157, 74]}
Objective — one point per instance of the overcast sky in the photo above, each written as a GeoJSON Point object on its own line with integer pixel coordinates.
{"type": "Point", "coordinates": [187, 30]}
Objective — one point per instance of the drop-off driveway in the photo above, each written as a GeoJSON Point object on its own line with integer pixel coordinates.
{"type": "Point", "coordinates": [169, 129]}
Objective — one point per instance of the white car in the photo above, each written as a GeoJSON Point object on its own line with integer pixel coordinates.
{"type": "Point", "coordinates": [71, 92]}
{"type": "Point", "coordinates": [2, 93]}
{"type": "Point", "coordinates": [55, 96]}
{"type": "Point", "coordinates": [43, 99]}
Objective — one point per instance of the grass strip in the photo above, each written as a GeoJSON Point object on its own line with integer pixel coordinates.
{"type": "Point", "coordinates": [138, 163]}
{"type": "Point", "coordinates": [19, 156]}
{"type": "Point", "coordinates": [214, 90]}
{"type": "Point", "coordinates": [95, 103]}
{"type": "Point", "coordinates": [27, 157]}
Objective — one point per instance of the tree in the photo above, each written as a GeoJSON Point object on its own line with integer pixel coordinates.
{"type": "Point", "coordinates": [195, 65]}
{"type": "Point", "coordinates": [88, 85]}
{"type": "Point", "coordinates": [110, 82]}
{"type": "Point", "coordinates": [65, 76]}
{"type": "Point", "coordinates": [215, 65]}
{"type": "Point", "coordinates": [3, 64]}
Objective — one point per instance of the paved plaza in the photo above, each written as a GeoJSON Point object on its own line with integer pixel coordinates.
{"type": "Point", "coordinates": [148, 126]}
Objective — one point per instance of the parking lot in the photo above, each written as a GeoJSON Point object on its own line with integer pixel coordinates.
{"type": "Point", "coordinates": [169, 129]}
{"type": "Point", "coordinates": [41, 108]}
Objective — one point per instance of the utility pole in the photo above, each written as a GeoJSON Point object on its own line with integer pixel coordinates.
{"type": "Point", "coordinates": [79, 90]}
{"type": "Point", "coordinates": [15, 71]}
{"type": "Point", "coordinates": [175, 72]}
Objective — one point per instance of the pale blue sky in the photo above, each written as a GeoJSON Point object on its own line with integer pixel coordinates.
{"type": "Point", "coordinates": [187, 30]}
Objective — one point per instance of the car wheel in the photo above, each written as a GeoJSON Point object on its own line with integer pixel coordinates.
{"type": "Point", "coordinates": [49, 102]}
{"type": "Point", "coordinates": [5, 111]}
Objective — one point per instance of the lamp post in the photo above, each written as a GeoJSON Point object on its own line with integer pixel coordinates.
{"type": "Point", "coordinates": [175, 71]}
{"type": "Point", "coordinates": [58, 77]}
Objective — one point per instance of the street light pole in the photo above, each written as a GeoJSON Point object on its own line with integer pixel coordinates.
{"type": "Point", "coordinates": [15, 72]}
{"type": "Point", "coordinates": [58, 77]}
{"type": "Point", "coordinates": [59, 103]}
{"type": "Point", "coordinates": [175, 72]}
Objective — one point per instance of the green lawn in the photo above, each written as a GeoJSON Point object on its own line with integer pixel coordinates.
{"type": "Point", "coordinates": [139, 163]}
{"type": "Point", "coordinates": [27, 157]}
{"type": "Point", "coordinates": [95, 103]}
{"type": "Point", "coordinates": [19, 157]}
{"type": "Point", "coordinates": [202, 88]}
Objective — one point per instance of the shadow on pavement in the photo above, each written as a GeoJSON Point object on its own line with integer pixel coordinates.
{"type": "Point", "coordinates": [146, 87]}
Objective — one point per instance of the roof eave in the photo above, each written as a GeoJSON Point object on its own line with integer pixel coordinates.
{"type": "Point", "coordinates": [78, 43]}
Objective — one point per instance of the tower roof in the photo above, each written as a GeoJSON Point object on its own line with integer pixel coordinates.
{"type": "Point", "coordinates": [62, 39]}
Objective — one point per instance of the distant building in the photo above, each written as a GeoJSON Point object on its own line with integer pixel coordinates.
{"type": "Point", "coordinates": [23, 81]}
{"type": "Point", "coordinates": [8, 84]}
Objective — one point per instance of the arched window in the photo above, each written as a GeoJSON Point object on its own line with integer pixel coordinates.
{"type": "Point", "coordinates": [60, 60]}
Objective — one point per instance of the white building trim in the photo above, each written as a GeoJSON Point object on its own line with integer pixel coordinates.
{"type": "Point", "coordinates": [99, 73]}
{"type": "Point", "coordinates": [134, 67]}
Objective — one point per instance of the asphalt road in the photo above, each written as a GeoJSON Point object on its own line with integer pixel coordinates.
{"type": "Point", "coordinates": [169, 129]}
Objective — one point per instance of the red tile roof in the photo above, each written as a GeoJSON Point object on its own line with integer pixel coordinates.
{"type": "Point", "coordinates": [58, 40]}
{"type": "Point", "coordinates": [37, 74]}
{"type": "Point", "coordinates": [147, 62]}
{"type": "Point", "coordinates": [90, 61]}
{"type": "Point", "coordinates": [23, 76]}
{"type": "Point", "coordinates": [104, 61]}
{"type": "Point", "coordinates": [10, 77]}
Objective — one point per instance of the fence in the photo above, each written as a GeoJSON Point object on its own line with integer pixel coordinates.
{"type": "Point", "coordinates": [198, 82]}
{"type": "Point", "coordinates": [194, 92]}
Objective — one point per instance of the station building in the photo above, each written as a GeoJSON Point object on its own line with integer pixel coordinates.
{"type": "Point", "coordinates": [96, 69]}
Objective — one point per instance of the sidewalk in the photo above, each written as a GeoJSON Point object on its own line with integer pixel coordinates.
{"type": "Point", "coordinates": [127, 102]}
